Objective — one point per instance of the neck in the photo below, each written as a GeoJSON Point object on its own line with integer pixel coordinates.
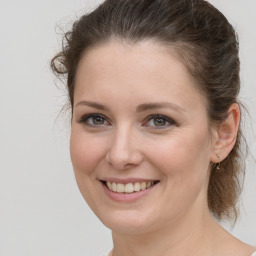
{"type": "Point", "coordinates": [191, 236]}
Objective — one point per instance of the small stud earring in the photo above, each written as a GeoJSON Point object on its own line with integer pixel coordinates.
{"type": "Point", "coordinates": [218, 164]}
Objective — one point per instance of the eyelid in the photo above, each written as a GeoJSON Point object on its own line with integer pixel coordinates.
{"type": "Point", "coordinates": [166, 118]}
{"type": "Point", "coordinates": [84, 118]}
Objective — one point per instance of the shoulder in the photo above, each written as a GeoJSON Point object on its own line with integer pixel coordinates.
{"type": "Point", "coordinates": [229, 245]}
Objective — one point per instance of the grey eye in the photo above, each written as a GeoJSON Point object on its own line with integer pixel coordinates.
{"type": "Point", "coordinates": [94, 120]}
{"type": "Point", "coordinates": [98, 120]}
{"type": "Point", "coordinates": [159, 122]}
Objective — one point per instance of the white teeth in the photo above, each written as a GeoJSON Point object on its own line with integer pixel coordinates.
{"type": "Point", "coordinates": [143, 185]}
{"type": "Point", "coordinates": [114, 187]}
{"type": "Point", "coordinates": [129, 187]}
{"type": "Point", "coordinates": [109, 185]}
{"type": "Point", "coordinates": [136, 186]}
{"type": "Point", "coordinates": [119, 188]}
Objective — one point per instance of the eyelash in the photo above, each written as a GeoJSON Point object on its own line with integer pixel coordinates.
{"type": "Point", "coordinates": [163, 117]}
{"type": "Point", "coordinates": [87, 117]}
{"type": "Point", "coordinates": [85, 120]}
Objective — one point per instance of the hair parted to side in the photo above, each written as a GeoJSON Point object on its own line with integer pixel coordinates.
{"type": "Point", "coordinates": [206, 44]}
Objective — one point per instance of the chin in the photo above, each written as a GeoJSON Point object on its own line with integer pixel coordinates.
{"type": "Point", "coordinates": [128, 221]}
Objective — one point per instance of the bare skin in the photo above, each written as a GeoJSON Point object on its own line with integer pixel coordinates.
{"type": "Point", "coordinates": [208, 241]}
{"type": "Point", "coordinates": [137, 114]}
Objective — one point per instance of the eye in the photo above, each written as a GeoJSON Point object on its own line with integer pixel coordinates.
{"type": "Point", "coordinates": [159, 121]}
{"type": "Point", "coordinates": [94, 120]}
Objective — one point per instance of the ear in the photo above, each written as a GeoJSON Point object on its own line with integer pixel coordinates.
{"type": "Point", "coordinates": [225, 135]}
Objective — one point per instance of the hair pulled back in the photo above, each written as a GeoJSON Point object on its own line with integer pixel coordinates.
{"type": "Point", "coordinates": [206, 44]}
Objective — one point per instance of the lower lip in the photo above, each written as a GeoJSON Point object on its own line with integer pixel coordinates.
{"type": "Point", "coordinates": [127, 197]}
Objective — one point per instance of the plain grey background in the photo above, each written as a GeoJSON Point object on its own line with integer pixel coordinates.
{"type": "Point", "coordinates": [41, 210]}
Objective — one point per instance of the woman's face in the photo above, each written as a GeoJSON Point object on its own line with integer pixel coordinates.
{"type": "Point", "coordinates": [139, 121]}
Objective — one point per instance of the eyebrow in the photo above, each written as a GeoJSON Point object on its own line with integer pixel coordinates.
{"type": "Point", "coordinates": [149, 106]}
{"type": "Point", "coordinates": [140, 108]}
{"type": "Point", "coordinates": [92, 104]}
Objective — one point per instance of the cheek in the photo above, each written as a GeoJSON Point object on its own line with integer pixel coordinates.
{"type": "Point", "coordinates": [183, 157]}
{"type": "Point", "coordinates": [183, 163]}
{"type": "Point", "coordinates": [86, 152]}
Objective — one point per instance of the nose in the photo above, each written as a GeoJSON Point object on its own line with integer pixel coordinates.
{"type": "Point", "coordinates": [124, 151]}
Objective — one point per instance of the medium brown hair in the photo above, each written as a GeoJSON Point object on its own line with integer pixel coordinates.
{"type": "Point", "coordinates": [205, 42]}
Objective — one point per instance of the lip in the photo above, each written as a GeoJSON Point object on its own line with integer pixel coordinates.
{"type": "Point", "coordinates": [128, 180]}
{"type": "Point", "coordinates": [127, 197]}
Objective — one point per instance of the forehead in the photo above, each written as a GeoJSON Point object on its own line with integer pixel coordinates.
{"type": "Point", "coordinates": [145, 69]}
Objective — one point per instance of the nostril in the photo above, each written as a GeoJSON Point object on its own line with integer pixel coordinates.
{"type": "Point", "coordinates": [123, 156]}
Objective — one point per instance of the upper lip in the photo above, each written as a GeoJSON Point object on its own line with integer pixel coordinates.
{"type": "Point", "coordinates": [127, 180]}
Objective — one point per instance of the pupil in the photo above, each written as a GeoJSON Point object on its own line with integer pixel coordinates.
{"type": "Point", "coordinates": [98, 120]}
{"type": "Point", "coordinates": [159, 122]}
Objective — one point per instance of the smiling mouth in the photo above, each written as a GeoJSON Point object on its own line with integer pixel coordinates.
{"type": "Point", "coordinates": [129, 187]}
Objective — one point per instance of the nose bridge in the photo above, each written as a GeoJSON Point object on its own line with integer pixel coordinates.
{"type": "Point", "coordinates": [123, 151]}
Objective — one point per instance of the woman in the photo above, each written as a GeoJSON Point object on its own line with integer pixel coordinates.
{"type": "Point", "coordinates": [155, 140]}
